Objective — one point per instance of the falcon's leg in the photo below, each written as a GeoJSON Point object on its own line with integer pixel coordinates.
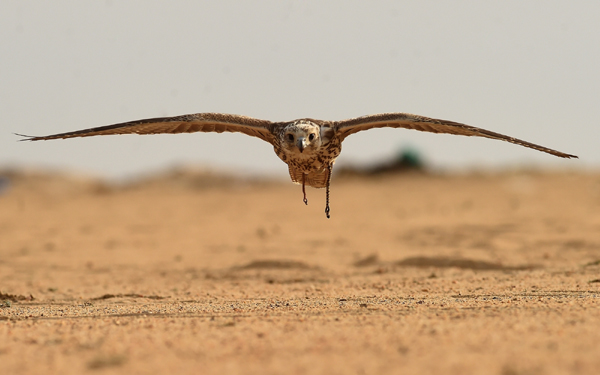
{"type": "Point", "coordinates": [327, 190]}
{"type": "Point", "coordinates": [304, 189]}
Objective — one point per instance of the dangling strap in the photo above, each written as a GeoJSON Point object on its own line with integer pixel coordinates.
{"type": "Point", "coordinates": [327, 190]}
{"type": "Point", "coordinates": [304, 189]}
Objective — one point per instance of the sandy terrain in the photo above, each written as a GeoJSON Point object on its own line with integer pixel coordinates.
{"type": "Point", "coordinates": [196, 274]}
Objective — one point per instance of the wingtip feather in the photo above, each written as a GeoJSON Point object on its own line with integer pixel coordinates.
{"type": "Point", "coordinates": [26, 137]}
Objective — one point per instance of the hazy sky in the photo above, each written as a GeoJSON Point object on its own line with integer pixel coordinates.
{"type": "Point", "coordinates": [529, 69]}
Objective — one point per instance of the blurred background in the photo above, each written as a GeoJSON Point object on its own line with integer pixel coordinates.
{"type": "Point", "coordinates": [528, 69]}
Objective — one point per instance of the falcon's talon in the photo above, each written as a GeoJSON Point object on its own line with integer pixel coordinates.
{"type": "Point", "coordinates": [308, 146]}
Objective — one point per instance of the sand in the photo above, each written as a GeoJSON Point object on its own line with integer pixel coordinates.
{"type": "Point", "coordinates": [190, 273]}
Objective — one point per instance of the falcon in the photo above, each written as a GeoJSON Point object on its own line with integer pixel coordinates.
{"type": "Point", "coordinates": [309, 147]}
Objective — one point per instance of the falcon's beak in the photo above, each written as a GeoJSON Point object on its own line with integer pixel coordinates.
{"type": "Point", "coordinates": [301, 144]}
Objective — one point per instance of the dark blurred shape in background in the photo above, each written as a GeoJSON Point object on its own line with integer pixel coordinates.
{"type": "Point", "coordinates": [407, 159]}
{"type": "Point", "coordinates": [4, 183]}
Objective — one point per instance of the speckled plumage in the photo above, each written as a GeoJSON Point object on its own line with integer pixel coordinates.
{"type": "Point", "coordinates": [309, 147]}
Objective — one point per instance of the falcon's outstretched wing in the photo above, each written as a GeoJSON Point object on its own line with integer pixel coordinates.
{"type": "Point", "coordinates": [405, 120]}
{"type": "Point", "coordinates": [200, 122]}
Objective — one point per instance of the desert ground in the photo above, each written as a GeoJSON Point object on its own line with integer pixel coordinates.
{"type": "Point", "coordinates": [193, 272]}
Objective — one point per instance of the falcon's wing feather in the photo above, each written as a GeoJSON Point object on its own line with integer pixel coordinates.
{"type": "Point", "coordinates": [405, 120]}
{"type": "Point", "coordinates": [200, 122]}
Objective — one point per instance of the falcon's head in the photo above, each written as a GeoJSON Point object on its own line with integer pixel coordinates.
{"type": "Point", "coordinates": [301, 137]}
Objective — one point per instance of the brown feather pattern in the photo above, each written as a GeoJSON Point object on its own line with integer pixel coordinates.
{"type": "Point", "coordinates": [201, 122]}
{"type": "Point", "coordinates": [426, 124]}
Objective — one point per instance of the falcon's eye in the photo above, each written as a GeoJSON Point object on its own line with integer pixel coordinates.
{"type": "Point", "coordinates": [290, 137]}
{"type": "Point", "coordinates": [311, 136]}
